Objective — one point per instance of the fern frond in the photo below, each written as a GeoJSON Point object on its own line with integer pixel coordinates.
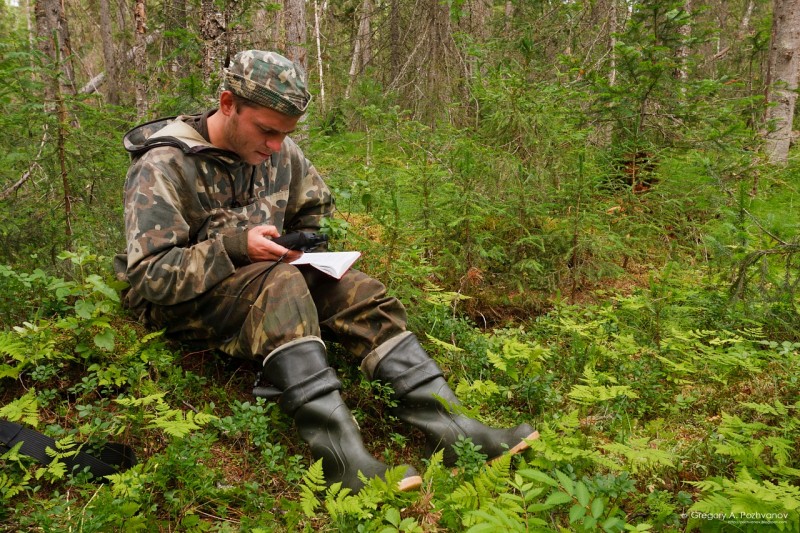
{"type": "Point", "coordinates": [778, 409]}
{"type": "Point", "coordinates": [493, 477]}
{"type": "Point", "coordinates": [12, 348]}
{"type": "Point", "coordinates": [640, 456]}
{"type": "Point", "coordinates": [494, 519]}
{"type": "Point", "coordinates": [781, 449]}
{"type": "Point", "coordinates": [712, 504]}
{"type": "Point", "coordinates": [137, 346]}
{"type": "Point", "coordinates": [9, 487]}
{"type": "Point", "coordinates": [313, 481]}
{"type": "Point", "coordinates": [338, 501]}
{"type": "Point", "coordinates": [435, 466]}
{"type": "Point", "coordinates": [138, 402]}
{"type": "Point", "coordinates": [177, 424]}
{"type": "Point", "coordinates": [465, 497]}
{"type": "Point", "coordinates": [24, 409]}
{"type": "Point", "coordinates": [593, 392]}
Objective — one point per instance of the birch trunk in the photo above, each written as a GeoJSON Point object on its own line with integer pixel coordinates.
{"type": "Point", "coordinates": [140, 58]}
{"type": "Point", "coordinates": [782, 81]}
{"type": "Point", "coordinates": [362, 49]}
{"type": "Point", "coordinates": [685, 31]}
{"type": "Point", "coordinates": [318, 39]}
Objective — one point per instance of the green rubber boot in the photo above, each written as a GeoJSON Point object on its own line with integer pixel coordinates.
{"type": "Point", "coordinates": [310, 395]}
{"type": "Point", "coordinates": [418, 385]}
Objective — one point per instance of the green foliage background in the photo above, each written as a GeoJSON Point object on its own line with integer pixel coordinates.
{"type": "Point", "coordinates": [651, 334]}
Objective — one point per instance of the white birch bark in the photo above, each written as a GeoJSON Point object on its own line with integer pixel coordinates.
{"type": "Point", "coordinates": [140, 58]}
{"type": "Point", "coordinates": [318, 38]}
{"type": "Point", "coordinates": [784, 69]}
{"type": "Point", "coordinates": [362, 49]}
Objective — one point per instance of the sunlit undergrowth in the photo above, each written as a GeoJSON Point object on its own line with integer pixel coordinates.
{"type": "Point", "coordinates": [666, 408]}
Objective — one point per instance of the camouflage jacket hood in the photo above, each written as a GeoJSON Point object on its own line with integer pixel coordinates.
{"type": "Point", "coordinates": [188, 207]}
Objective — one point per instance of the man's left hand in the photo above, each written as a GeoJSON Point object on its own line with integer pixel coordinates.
{"type": "Point", "coordinates": [260, 246]}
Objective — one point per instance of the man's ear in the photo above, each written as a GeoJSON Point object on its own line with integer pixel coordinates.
{"type": "Point", "coordinates": [226, 104]}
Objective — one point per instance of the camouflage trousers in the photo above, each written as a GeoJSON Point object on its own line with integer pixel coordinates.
{"type": "Point", "coordinates": [265, 305]}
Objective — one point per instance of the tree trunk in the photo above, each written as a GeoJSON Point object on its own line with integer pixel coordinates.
{"type": "Point", "coordinates": [744, 28]}
{"type": "Point", "coordinates": [318, 38]}
{"type": "Point", "coordinates": [613, 29]}
{"type": "Point", "coordinates": [476, 25]}
{"type": "Point", "coordinates": [685, 32]}
{"type": "Point", "coordinates": [508, 16]}
{"type": "Point", "coordinates": [53, 32]}
{"type": "Point", "coordinates": [278, 35]}
{"type": "Point", "coordinates": [295, 24]}
{"type": "Point", "coordinates": [362, 48]}
{"type": "Point", "coordinates": [782, 79]}
{"type": "Point", "coordinates": [62, 160]}
{"type": "Point", "coordinates": [212, 29]}
{"type": "Point", "coordinates": [264, 33]}
{"type": "Point", "coordinates": [109, 53]}
{"type": "Point", "coordinates": [29, 25]}
{"type": "Point", "coordinates": [394, 40]}
{"type": "Point", "coordinates": [175, 16]}
{"type": "Point", "coordinates": [95, 83]}
{"type": "Point", "coordinates": [140, 58]}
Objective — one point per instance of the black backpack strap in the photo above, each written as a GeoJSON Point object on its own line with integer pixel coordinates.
{"type": "Point", "coordinates": [113, 458]}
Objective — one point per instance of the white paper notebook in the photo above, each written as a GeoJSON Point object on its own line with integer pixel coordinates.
{"type": "Point", "coordinates": [332, 263]}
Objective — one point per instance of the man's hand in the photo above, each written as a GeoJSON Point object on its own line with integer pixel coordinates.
{"type": "Point", "coordinates": [261, 248]}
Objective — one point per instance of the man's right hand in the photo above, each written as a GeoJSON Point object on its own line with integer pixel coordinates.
{"type": "Point", "coordinates": [260, 246]}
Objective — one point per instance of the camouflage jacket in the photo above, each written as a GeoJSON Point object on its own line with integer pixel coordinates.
{"type": "Point", "coordinates": [189, 204]}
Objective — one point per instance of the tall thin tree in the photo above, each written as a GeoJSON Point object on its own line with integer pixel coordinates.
{"type": "Point", "coordinates": [784, 70]}
{"type": "Point", "coordinates": [140, 57]}
{"type": "Point", "coordinates": [362, 47]}
{"type": "Point", "coordinates": [52, 30]}
{"type": "Point", "coordinates": [109, 53]}
{"type": "Point", "coordinates": [296, 32]}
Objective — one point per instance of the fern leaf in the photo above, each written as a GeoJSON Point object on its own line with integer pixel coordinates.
{"type": "Point", "coordinates": [536, 475]}
{"type": "Point", "coordinates": [313, 481]}
{"type": "Point", "coordinates": [465, 497]}
{"type": "Point", "coordinates": [139, 402]}
{"type": "Point", "coordinates": [10, 488]}
{"type": "Point", "coordinates": [713, 504]}
{"type": "Point", "coordinates": [494, 476]}
{"type": "Point", "coordinates": [24, 409]}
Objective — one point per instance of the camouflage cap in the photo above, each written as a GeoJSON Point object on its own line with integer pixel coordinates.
{"type": "Point", "coordinates": [268, 79]}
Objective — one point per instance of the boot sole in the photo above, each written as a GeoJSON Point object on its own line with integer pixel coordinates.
{"type": "Point", "coordinates": [520, 447]}
{"type": "Point", "coordinates": [410, 483]}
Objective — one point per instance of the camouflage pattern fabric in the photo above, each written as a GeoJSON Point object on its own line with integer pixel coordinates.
{"type": "Point", "coordinates": [268, 79]}
{"type": "Point", "coordinates": [188, 206]}
{"type": "Point", "coordinates": [260, 308]}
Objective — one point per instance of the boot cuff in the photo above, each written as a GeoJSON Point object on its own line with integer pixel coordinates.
{"type": "Point", "coordinates": [414, 377]}
{"type": "Point", "coordinates": [309, 389]}
{"type": "Point", "coordinates": [373, 358]}
{"type": "Point", "coordinates": [291, 344]}
{"type": "Point", "coordinates": [403, 363]}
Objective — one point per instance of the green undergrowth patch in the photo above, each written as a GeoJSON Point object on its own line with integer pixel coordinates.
{"type": "Point", "coordinates": [667, 408]}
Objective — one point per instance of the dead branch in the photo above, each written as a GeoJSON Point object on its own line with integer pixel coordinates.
{"type": "Point", "coordinates": [93, 84]}
{"type": "Point", "coordinates": [21, 181]}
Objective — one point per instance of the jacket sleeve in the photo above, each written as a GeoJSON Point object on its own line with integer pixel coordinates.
{"type": "Point", "coordinates": [310, 199]}
{"type": "Point", "coordinates": [164, 266]}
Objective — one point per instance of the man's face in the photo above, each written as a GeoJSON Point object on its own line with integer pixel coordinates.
{"type": "Point", "coordinates": [255, 133]}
